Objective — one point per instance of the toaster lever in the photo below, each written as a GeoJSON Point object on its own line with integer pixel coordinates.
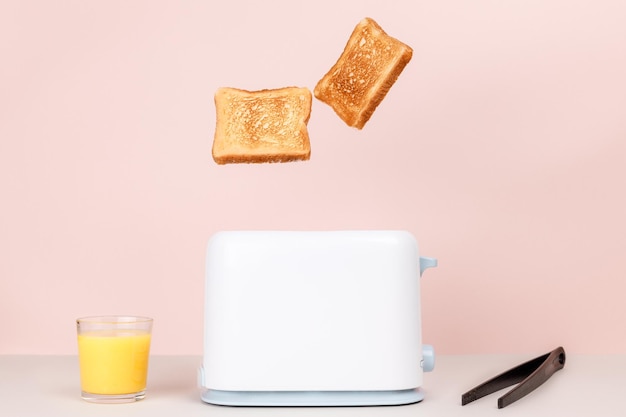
{"type": "Point", "coordinates": [426, 263]}
{"type": "Point", "coordinates": [530, 375]}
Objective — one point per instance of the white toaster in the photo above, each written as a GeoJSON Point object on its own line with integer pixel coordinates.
{"type": "Point", "coordinates": [313, 318]}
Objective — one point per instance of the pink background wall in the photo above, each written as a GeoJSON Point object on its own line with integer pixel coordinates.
{"type": "Point", "coordinates": [502, 147]}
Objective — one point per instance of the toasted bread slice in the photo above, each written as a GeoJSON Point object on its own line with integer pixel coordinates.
{"type": "Point", "coordinates": [262, 126]}
{"type": "Point", "coordinates": [368, 67]}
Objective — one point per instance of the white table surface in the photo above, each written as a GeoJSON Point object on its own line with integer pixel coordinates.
{"type": "Point", "coordinates": [589, 386]}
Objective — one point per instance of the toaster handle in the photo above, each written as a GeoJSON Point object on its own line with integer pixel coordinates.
{"type": "Point", "coordinates": [426, 263]}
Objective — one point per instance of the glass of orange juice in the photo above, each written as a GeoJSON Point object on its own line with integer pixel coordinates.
{"type": "Point", "coordinates": [113, 354]}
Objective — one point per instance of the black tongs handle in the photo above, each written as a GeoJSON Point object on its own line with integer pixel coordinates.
{"type": "Point", "coordinates": [530, 375]}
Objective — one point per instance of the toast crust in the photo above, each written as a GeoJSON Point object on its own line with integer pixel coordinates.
{"type": "Point", "coordinates": [360, 79]}
{"type": "Point", "coordinates": [262, 126]}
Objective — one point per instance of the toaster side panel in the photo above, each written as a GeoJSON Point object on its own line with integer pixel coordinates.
{"type": "Point", "coordinates": [312, 311]}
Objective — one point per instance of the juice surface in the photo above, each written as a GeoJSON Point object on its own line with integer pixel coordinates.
{"type": "Point", "coordinates": [113, 362]}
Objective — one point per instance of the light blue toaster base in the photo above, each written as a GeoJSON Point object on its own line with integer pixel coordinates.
{"type": "Point", "coordinates": [311, 398]}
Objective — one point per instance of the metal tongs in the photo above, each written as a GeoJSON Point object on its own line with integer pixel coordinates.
{"type": "Point", "coordinates": [530, 375]}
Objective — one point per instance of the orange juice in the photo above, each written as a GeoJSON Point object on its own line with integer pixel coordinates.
{"type": "Point", "coordinates": [113, 361]}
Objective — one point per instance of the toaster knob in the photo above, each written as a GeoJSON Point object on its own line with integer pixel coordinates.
{"type": "Point", "coordinates": [428, 358]}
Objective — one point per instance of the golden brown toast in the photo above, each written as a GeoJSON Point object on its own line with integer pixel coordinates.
{"type": "Point", "coordinates": [262, 126]}
{"type": "Point", "coordinates": [368, 67]}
